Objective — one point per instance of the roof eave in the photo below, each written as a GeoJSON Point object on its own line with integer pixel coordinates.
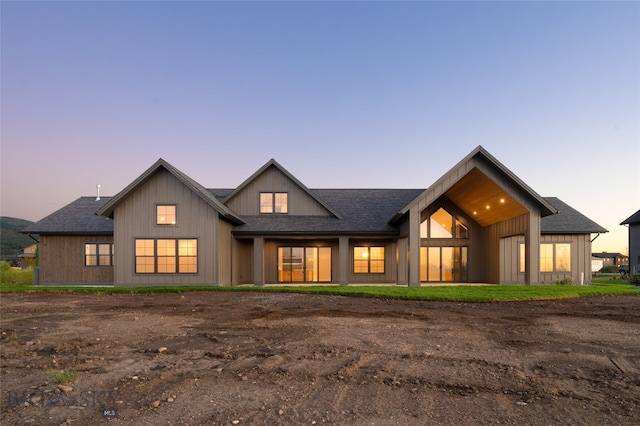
{"type": "Point", "coordinates": [68, 232]}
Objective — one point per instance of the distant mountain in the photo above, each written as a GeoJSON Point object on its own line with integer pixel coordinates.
{"type": "Point", "coordinates": [11, 240]}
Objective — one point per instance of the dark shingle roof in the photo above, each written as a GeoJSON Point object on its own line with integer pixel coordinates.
{"type": "Point", "coordinates": [78, 217]}
{"type": "Point", "coordinates": [362, 210]}
{"type": "Point", "coordinates": [567, 220]}
{"type": "Point", "coordinates": [605, 255]}
{"type": "Point", "coordinates": [633, 219]}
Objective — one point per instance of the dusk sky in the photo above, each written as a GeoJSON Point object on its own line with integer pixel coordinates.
{"type": "Point", "coordinates": [342, 94]}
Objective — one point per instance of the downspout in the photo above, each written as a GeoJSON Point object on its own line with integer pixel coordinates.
{"type": "Point", "coordinates": [31, 236]}
{"type": "Point", "coordinates": [594, 238]}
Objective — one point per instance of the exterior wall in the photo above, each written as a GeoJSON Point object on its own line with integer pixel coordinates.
{"type": "Point", "coordinates": [135, 217]}
{"type": "Point", "coordinates": [493, 244]}
{"type": "Point", "coordinates": [300, 203]}
{"type": "Point", "coordinates": [580, 259]}
{"type": "Point", "coordinates": [634, 248]}
{"type": "Point", "coordinates": [62, 261]}
{"type": "Point", "coordinates": [242, 261]}
{"type": "Point", "coordinates": [225, 253]}
{"type": "Point", "coordinates": [271, 256]}
{"type": "Point", "coordinates": [390, 275]}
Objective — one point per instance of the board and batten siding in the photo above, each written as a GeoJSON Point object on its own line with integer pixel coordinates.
{"type": "Point", "coordinates": [135, 217]}
{"type": "Point", "coordinates": [580, 259]}
{"type": "Point", "coordinates": [242, 261]}
{"type": "Point", "coordinates": [61, 260]}
{"type": "Point", "coordinates": [225, 253]}
{"type": "Point", "coordinates": [492, 246]}
{"type": "Point", "coordinates": [390, 274]}
{"type": "Point", "coordinates": [634, 248]}
{"type": "Point", "coordinates": [300, 203]}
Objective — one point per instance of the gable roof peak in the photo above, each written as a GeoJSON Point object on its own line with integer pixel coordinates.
{"type": "Point", "coordinates": [273, 163]}
{"type": "Point", "coordinates": [108, 209]}
{"type": "Point", "coordinates": [480, 151]}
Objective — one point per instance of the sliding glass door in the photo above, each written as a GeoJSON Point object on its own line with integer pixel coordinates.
{"type": "Point", "coordinates": [304, 264]}
{"type": "Point", "coordinates": [443, 264]}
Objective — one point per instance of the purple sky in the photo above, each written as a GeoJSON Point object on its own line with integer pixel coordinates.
{"type": "Point", "coordinates": [342, 94]}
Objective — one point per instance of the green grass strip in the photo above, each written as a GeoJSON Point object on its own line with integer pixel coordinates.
{"type": "Point", "coordinates": [461, 293]}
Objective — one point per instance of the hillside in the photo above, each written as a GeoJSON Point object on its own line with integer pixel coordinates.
{"type": "Point", "coordinates": [11, 240]}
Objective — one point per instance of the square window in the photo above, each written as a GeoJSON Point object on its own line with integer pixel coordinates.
{"type": "Point", "coordinates": [368, 260]}
{"type": "Point", "coordinates": [166, 214]}
{"type": "Point", "coordinates": [98, 254]}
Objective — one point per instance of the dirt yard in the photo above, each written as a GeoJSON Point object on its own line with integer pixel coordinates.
{"type": "Point", "coordinates": [227, 358]}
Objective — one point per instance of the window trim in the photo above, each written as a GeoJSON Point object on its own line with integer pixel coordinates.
{"type": "Point", "coordinates": [369, 260]}
{"type": "Point", "coordinates": [97, 254]}
{"type": "Point", "coordinates": [273, 204]}
{"type": "Point", "coordinates": [426, 230]}
{"type": "Point", "coordinates": [175, 214]}
{"type": "Point", "coordinates": [554, 258]}
{"type": "Point", "coordinates": [318, 268]}
{"type": "Point", "coordinates": [155, 256]}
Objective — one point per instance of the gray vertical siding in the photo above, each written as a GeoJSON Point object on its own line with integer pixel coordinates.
{"type": "Point", "coordinates": [246, 202]}
{"type": "Point", "coordinates": [634, 248]}
{"type": "Point", "coordinates": [225, 252]}
{"type": "Point", "coordinates": [580, 259]}
{"type": "Point", "coordinates": [493, 243]}
{"type": "Point", "coordinates": [242, 260]}
{"type": "Point", "coordinates": [61, 260]}
{"type": "Point", "coordinates": [135, 218]}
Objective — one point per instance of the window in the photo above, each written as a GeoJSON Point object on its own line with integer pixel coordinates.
{"type": "Point", "coordinates": [368, 260]}
{"type": "Point", "coordinates": [546, 257]}
{"type": "Point", "coordinates": [554, 257]}
{"type": "Point", "coordinates": [145, 256]}
{"type": "Point", "coordinates": [304, 264]}
{"type": "Point", "coordinates": [442, 224]}
{"type": "Point", "coordinates": [563, 257]}
{"type": "Point", "coordinates": [166, 256]}
{"type": "Point", "coordinates": [166, 214]}
{"type": "Point", "coordinates": [274, 202]}
{"type": "Point", "coordinates": [443, 264]}
{"type": "Point", "coordinates": [98, 254]}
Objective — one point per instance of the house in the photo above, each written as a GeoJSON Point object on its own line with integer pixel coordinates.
{"type": "Point", "coordinates": [633, 222]}
{"type": "Point", "coordinates": [27, 258]}
{"type": "Point", "coordinates": [612, 259]}
{"type": "Point", "coordinates": [478, 223]}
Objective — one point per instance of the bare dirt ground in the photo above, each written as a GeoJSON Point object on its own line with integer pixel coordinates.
{"type": "Point", "coordinates": [228, 358]}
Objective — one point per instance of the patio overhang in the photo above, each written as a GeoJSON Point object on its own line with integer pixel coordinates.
{"type": "Point", "coordinates": [483, 200]}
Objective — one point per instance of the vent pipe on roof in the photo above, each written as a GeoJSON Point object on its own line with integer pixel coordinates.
{"type": "Point", "coordinates": [98, 190]}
